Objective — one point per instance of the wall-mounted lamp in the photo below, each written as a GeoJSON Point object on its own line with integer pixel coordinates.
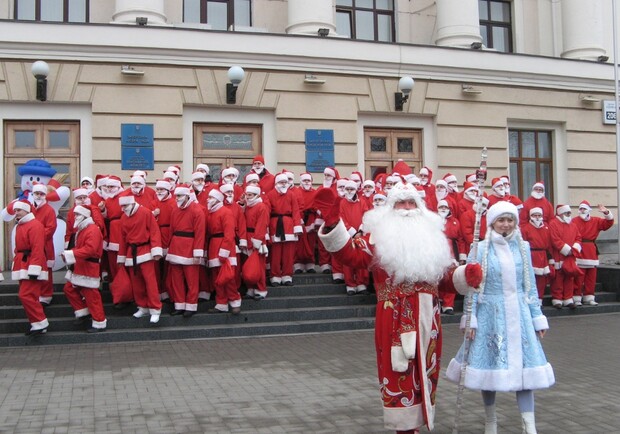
{"type": "Point", "coordinates": [142, 21]}
{"type": "Point", "coordinates": [313, 79]}
{"type": "Point", "coordinates": [235, 76]}
{"type": "Point", "coordinates": [405, 84]}
{"type": "Point", "coordinates": [470, 90]}
{"type": "Point", "coordinates": [40, 70]}
{"type": "Point", "coordinates": [323, 32]}
{"type": "Point", "coordinates": [602, 59]}
{"type": "Point", "coordinates": [130, 70]}
{"type": "Point", "coordinates": [476, 45]}
{"type": "Point", "coordinates": [589, 99]}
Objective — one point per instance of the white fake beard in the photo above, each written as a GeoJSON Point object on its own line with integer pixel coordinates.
{"type": "Point", "coordinates": [566, 220]}
{"type": "Point", "coordinates": [409, 244]}
{"type": "Point", "coordinates": [258, 170]}
{"type": "Point", "coordinates": [368, 193]}
{"type": "Point", "coordinates": [136, 191]}
{"type": "Point", "coordinates": [537, 222]}
{"type": "Point", "coordinates": [444, 214]}
{"type": "Point", "coordinates": [585, 216]}
{"type": "Point", "coordinates": [499, 192]}
{"type": "Point", "coordinates": [306, 187]}
{"type": "Point", "coordinates": [327, 182]}
{"type": "Point", "coordinates": [78, 219]}
{"type": "Point", "coordinates": [537, 195]}
{"type": "Point", "coordinates": [228, 199]}
{"type": "Point", "coordinates": [282, 189]}
{"type": "Point", "coordinates": [198, 186]}
{"type": "Point", "coordinates": [162, 196]}
{"type": "Point", "coordinates": [441, 194]}
{"type": "Point", "coordinates": [39, 202]}
{"type": "Point", "coordinates": [349, 196]}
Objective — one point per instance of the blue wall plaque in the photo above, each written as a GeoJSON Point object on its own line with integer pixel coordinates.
{"type": "Point", "coordinates": [319, 150]}
{"type": "Point", "coordinates": [137, 134]}
{"type": "Point", "coordinates": [137, 158]}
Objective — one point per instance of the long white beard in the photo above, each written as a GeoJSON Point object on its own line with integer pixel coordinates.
{"type": "Point", "coordinates": [409, 246]}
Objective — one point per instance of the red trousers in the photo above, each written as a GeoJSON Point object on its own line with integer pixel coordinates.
{"type": "Point", "coordinates": [184, 284]}
{"type": "Point", "coordinates": [29, 292]}
{"type": "Point", "coordinates": [541, 284]}
{"type": "Point", "coordinates": [446, 294]}
{"type": "Point", "coordinates": [584, 285]}
{"type": "Point", "coordinates": [325, 258]}
{"type": "Point", "coordinates": [355, 276]}
{"type": "Point", "coordinates": [282, 258]}
{"type": "Point", "coordinates": [224, 293]}
{"type": "Point", "coordinates": [48, 288]}
{"type": "Point", "coordinates": [144, 285]}
{"type": "Point", "coordinates": [81, 298]}
{"type": "Point", "coordinates": [562, 286]}
{"type": "Point", "coordinates": [161, 274]}
{"type": "Point", "coordinates": [112, 256]}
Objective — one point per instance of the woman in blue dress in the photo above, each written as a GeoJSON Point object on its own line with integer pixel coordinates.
{"type": "Point", "coordinates": [505, 353]}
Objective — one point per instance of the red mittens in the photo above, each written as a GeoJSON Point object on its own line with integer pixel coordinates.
{"type": "Point", "coordinates": [473, 275]}
{"type": "Point", "coordinates": [328, 203]}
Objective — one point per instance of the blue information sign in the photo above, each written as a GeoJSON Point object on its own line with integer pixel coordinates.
{"type": "Point", "coordinates": [319, 150]}
{"type": "Point", "coordinates": [137, 158]}
{"type": "Point", "coordinates": [137, 134]}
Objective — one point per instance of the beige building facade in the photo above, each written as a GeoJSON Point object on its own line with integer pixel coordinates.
{"type": "Point", "coordinates": [534, 98]}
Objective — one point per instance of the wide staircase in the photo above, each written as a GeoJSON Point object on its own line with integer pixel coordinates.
{"type": "Point", "coordinates": [312, 305]}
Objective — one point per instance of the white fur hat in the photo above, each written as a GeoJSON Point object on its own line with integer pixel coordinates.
{"type": "Point", "coordinates": [216, 194]}
{"type": "Point", "coordinates": [536, 210]}
{"type": "Point", "coordinates": [203, 167]}
{"type": "Point", "coordinates": [162, 183]}
{"type": "Point", "coordinates": [502, 208]}
{"type": "Point", "coordinates": [402, 192]}
{"type": "Point", "coordinates": [82, 211]}
{"type": "Point", "coordinates": [80, 192]}
{"type": "Point", "coordinates": [126, 200]}
{"type": "Point", "coordinates": [198, 175]}
{"type": "Point", "coordinates": [182, 190]}
{"type": "Point", "coordinates": [281, 177]}
{"type": "Point", "coordinates": [39, 188]}
{"type": "Point", "coordinates": [138, 179]}
{"type": "Point", "coordinates": [252, 176]}
{"type": "Point", "coordinates": [305, 177]}
{"type": "Point", "coordinates": [253, 189]}
{"type": "Point", "coordinates": [226, 188]}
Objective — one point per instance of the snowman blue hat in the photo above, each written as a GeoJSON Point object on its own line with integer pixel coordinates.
{"type": "Point", "coordinates": [37, 167]}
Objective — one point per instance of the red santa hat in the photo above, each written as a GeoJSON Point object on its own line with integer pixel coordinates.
{"type": "Point", "coordinates": [77, 192]}
{"type": "Point", "coordinates": [281, 177]}
{"type": "Point", "coordinates": [182, 189]}
{"type": "Point", "coordinates": [113, 181]}
{"type": "Point", "coordinates": [421, 191]}
{"type": "Point", "coordinates": [350, 184]}
{"type": "Point", "coordinates": [229, 171]}
{"type": "Point", "coordinates": [448, 177]}
{"type": "Point", "coordinates": [100, 180]}
{"type": "Point", "coordinates": [561, 209]}
{"type": "Point", "coordinates": [441, 183]}
{"type": "Point", "coordinates": [368, 182]}
{"type": "Point", "coordinates": [253, 189]}
{"type": "Point", "coordinates": [469, 186]}
{"type": "Point", "coordinates": [126, 200]}
{"type": "Point", "coordinates": [536, 210]}
{"type": "Point", "coordinates": [305, 177]}
{"type": "Point", "coordinates": [342, 182]}
{"type": "Point", "coordinates": [331, 171]}
{"type": "Point", "coordinates": [170, 175]}
{"type": "Point", "coordinates": [18, 204]}
{"type": "Point", "coordinates": [227, 188]}
{"type": "Point", "coordinates": [500, 209]}
{"type": "Point", "coordinates": [198, 175]}
{"type": "Point", "coordinates": [471, 177]}
{"type": "Point", "coordinates": [426, 171]}
{"type": "Point", "coordinates": [87, 179]}
{"type": "Point", "coordinates": [506, 178]}
{"type": "Point", "coordinates": [203, 167]}
{"type": "Point", "coordinates": [585, 204]}
{"type": "Point", "coordinates": [401, 192]}
{"type": "Point", "coordinates": [259, 159]}
{"type": "Point", "coordinates": [39, 188]}
{"type": "Point", "coordinates": [216, 194]}
{"type": "Point", "coordinates": [163, 183]}
{"type": "Point", "coordinates": [380, 195]}
{"type": "Point", "coordinates": [141, 173]}
{"type": "Point", "coordinates": [497, 182]}
{"type": "Point", "coordinates": [175, 169]}
{"type": "Point", "coordinates": [356, 176]}
{"type": "Point", "coordinates": [402, 168]}
{"type": "Point", "coordinates": [252, 176]}
{"type": "Point", "coordinates": [380, 179]}
{"type": "Point", "coordinates": [138, 179]}
{"type": "Point", "coordinates": [289, 175]}
{"type": "Point", "coordinates": [82, 210]}
{"type": "Point", "coordinates": [539, 184]}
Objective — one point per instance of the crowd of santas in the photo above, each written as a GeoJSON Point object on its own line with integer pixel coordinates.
{"type": "Point", "coordinates": [201, 240]}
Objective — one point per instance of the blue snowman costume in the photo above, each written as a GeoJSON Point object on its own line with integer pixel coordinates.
{"type": "Point", "coordinates": [506, 354]}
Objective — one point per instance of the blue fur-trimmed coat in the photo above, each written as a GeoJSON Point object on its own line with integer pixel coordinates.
{"type": "Point", "coordinates": [506, 354]}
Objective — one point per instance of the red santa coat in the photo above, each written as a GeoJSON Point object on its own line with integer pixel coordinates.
{"type": "Point", "coordinates": [47, 216]}
{"type": "Point", "coordinates": [29, 255]}
{"type": "Point", "coordinates": [266, 181]}
{"type": "Point", "coordinates": [531, 202]}
{"type": "Point", "coordinates": [240, 225]}
{"type": "Point", "coordinates": [112, 215]}
{"type": "Point", "coordinates": [163, 219]}
{"type": "Point", "coordinates": [140, 238]}
{"type": "Point", "coordinates": [589, 231]}
{"type": "Point", "coordinates": [564, 237]}
{"type": "Point", "coordinates": [187, 234]}
{"type": "Point", "coordinates": [308, 212]}
{"type": "Point", "coordinates": [508, 198]}
{"type": "Point", "coordinates": [540, 246]}
{"type": "Point", "coordinates": [468, 224]}
{"type": "Point", "coordinates": [85, 256]}
{"type": "Point", "coordinates": [352, 214]}
{"type": "Point", "coordinates": [257, 224]}
{"type": "Point", "coordinates": [95, 215]}
{"type": "Point", "coordinates": [464, 205]}
{"type": "Point", "coordinates": [145, 198]}
{"type": "Point", "coordinates": [452, 229]}
{"type": "Point", "coordinates": [284, 208]}
{"type": "Point", "coordinates": [221, 237]}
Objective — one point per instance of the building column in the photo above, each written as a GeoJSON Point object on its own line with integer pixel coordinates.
{"type": "Point", "coordinates": [307, 17]}
{"type": "Point", "coordinates": [128, 10]}
{"type": "Point", "coordinates": [458, 23]}
{"type": "Point", "coordinates": [582, 29]}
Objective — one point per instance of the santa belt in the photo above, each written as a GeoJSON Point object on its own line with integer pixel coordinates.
{"type": "Point", "coordinates": [537, 250]}
{"type": "Point", "coordinates": [250, 230]}
{"type": "Point", "coordinates": [386, 292]}
{"type": "Point", "coordinates": [183, 234]}
{"type": "Point", "coordinates": [164, 226]}
{"type": "Point", "coordinates": [218, 235]}
{"type": "Point", "coordinates": [280, 224]}
{"type": "Point", "coordinates": [134, 251]}
{"type": "Point", "coordinates": [95, 260]}
{"type": "Point", "coordinates": [25, 254]}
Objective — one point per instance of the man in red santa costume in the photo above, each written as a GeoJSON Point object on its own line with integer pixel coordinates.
{"type": "Point", "coordinates": [589, 227]}
{"type": "Point", "coordinates": [137, 189]}
{"type": "Point", "coordinates": [453, 186]}
{"type": "Point", "coordinates": [47, 216]}
{"type": "Point", "coordinates": [30, 264]}
{"type": "Point", "coordinates": [198, 185]}
{"type": "Point", "coordinates": [267, 180]}
{"type": "Point", "coordinates": [468, 223]}
{"type": "Point", "coordinates": [80, 198]}
{"type": "Point", "coordinates": [536, 232]}
{"type": "Point", "coordinates": [257, 221]}
{"type": "Point", "coordinates": [537, 199]}
{"type": "Point", "coordinates": [284, 226]}
{"type": "Point", "coordinates": [498, 192]}
{"type": "Point", "coordinates": [351, 213]}
{"type": "Point", "coordinates": [330, 176]}
{"type": "Point", "coordinates": [163, 206]}
{"type": "Point", "coordinates": [112, 213]}
{"type": "Point", "coordinates": [221, 242]}
{"type": "Point", "coordinates": [83, 277]}
{"type": "Point", "coordinates": [426, 181]}
{"type": "Point", "coordinates": [185, 252]}
{"type": "Point", "coordinates": [139, 250]}
{"type": "Point", "coordinates": [565, 242]}
{"type": "Point", "coordinates": [306, 244]}
{"type": "Point", "coordinates": [441, 193]}
{"type": "Point", "coordinates": [241, 242]}
{"type": "Point", "coordinates": [511, 197]}
{"type": "Point", "coordinates": [470, 193]}
{"type": "Point", "coordinates": [408, 253]}
{"type": "Point", "coordinates": [452, 229]}
{"type": "Point", "coordinates": [368, 191]}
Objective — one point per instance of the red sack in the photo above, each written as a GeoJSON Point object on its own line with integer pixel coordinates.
{"type": "Point", "coordinates": [252, 270]}
{"type": "Point", "coordinates": [120, 287]}
{"type": "Point", "coordinates": [569, 266]}
{"type": "Point", "coordinates": [305, 251]}
{"type": "Point", "coordinates": [225, 274]}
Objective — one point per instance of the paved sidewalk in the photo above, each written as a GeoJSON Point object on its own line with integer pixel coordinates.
{"type": "Point", "coordinates": [322, 383]}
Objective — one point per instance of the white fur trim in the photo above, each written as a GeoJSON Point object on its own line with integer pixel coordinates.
{"type": "Point", "coordinates": [408, 341]}
{"type": "Point", "coordinates": [609, 216]}
{"type": "Point", "coordinates": [69, 257]}
{"type": "Point", "coordinates": [298, 229]}
{"type": "Point", "coordinates": [460, 282]}
{"type": "Point", "coordinates": [84, 281]}
{"type": "Point", "coordinates": [503, 380]}
{"type": "Point", "coordinates": [121, 259]}
{"type": "Point", "coordinates": [113, 247]}
{"type": "Point", "coordinates": [179, 260]}
{"type": "Point", "coordinates": [540, 323]}
{"type": "Point", "coordinates": [224, 253]}
{"type": "Point", "coordinates": [39, 325]}
{"type": "Point", "coordinates": [1, 277]}
{"type": "Point", "coordinates": [403, 418]}
{"type": "Point", "coordinates": [473, 324]}
{"type": "Point", "coordinates": [34, 270]}
{"type": "Point", "coordinates": [565, 250]}
{"type": "Point", "coordinates": [198, 253]}
{"type": "Point", "coordinates": [192, 307]}
{"type": "Point", "coordinates": [157, 251]}
{"type": "Point", "coordinates": [352, 231]}
{"type": "Point", "coordinates": [577, 247]}
{"type": "Point", "coordinates": [99, 324]}
{"type": "Point", "coordinates": [217, 263]}
{"type": "Point", "coordinates": [235, 303]}
{"type": "Point", "coordinates": [400, 362]}
{"type": "Point", "coordinates": [243, 242]}
{"type": "Point", "coordinates": [81, 312]}
{"type": "Point", "coordinates": [179, 306]}
{"type": "Point", "coordinates": [336, 239]}
{"type": "Point", "coordinates": [542, 271]}
{"type": "Point", "coordinates": [587, 263]}
{"type": "Point", "coordinates": [256, 243]}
